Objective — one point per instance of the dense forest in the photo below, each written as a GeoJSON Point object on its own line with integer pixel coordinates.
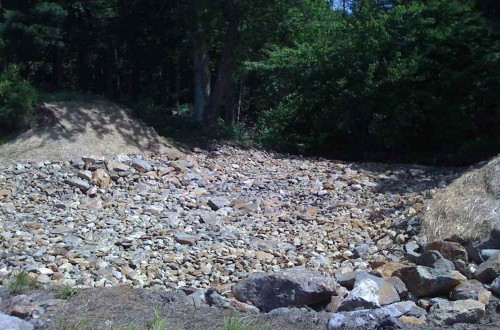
{"type": "Point", "coordinates": [402, 80]}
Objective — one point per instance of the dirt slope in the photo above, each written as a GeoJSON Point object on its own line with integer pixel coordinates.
{"type": "Point", "coordinates": [97, 127]}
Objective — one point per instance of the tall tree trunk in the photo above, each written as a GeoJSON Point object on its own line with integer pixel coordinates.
{"type": "Point", "coordinates": [57, 69]}
{"type": "Point", "coordinates": [111, 70]}
{"type": "Point", "coordinates": [225, 72]}
{"type": "Point", "coordinates": [83, 70]}
{"type": "Point", "coordinates": [201, 66]}
{"type": "Point", "coordinates": [231, 104]}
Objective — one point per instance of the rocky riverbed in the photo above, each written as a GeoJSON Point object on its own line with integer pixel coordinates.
{"type": "Point", "coordinates": [333, 233]}
{"type": "Point", "coordinates": [204, 221]}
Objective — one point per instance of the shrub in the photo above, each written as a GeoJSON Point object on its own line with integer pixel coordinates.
{"type": "Point", "coordinates": [17, 100]}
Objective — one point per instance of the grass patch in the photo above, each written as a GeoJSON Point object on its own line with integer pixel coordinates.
{"type": "Point", "coordinates": [67, 292]}
{"type": "Point", "coordinates": [238, 323]}
{"type": "Point", "coordinates": [78, 325]}
{"type": "Point", "coordinates": [158, 323]}
{"type": "Point", "coordinates": [22, 282]}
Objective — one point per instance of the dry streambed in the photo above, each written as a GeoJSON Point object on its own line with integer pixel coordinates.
{"type": "Point", "coordinates": [206, 221]}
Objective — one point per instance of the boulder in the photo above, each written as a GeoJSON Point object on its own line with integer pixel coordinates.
{"type": "Point", "coordinates": [295, 287]}
{"type": "Point", "coordinates": [365, 295]}
{"type": "Point", "coordinates": [374, 319]}
{"type": "Point", "coordinates": [495, 286]}
{"type": "Point", "coordinates": [346, 279]}
{"type": "Point", "coordinates": [424, 281]}
{"type": "Point", "coordinates": [461, 311]}
{"type": "Point", "coordinates": [488, 270]}
{"type": "Point", "coordinates": [400, 287]}
{"type": "Point", "coordinates": [434, 259]}
{"type": "Point", "coordinates": [495, 233]}
{"type": "Point", "coordinates": [387, 293]}
{"type": "Point", "coordinates": [452, 251]}
{"type": "Point", "coordinates": [471, 290]}
{"type": "Point", "coordinates": [13, 323]}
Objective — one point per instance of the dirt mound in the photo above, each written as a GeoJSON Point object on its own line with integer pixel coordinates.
{"type": "Point", "coordinates": [73, 129]}
{"type": "Point", "coordinates": [468, 207]}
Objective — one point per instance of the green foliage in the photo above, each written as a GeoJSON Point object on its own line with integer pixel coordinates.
{"type": "Point", "coordinates": [68, 292]}
{"type": "Point", "coordinates": [387, 79]}
{"type": "Point", "coordinates": [21, 283]}
{"type": "Point", "coordinates": [417, 78]}
{"type": "Point", "coordinates": [238, 323]}
{"type": "Point", "coordinates": [235, 132]}
{"type": "Point", "coordinates": [17, 99]}
{"type": "Point", "coordinates": [158, 323]}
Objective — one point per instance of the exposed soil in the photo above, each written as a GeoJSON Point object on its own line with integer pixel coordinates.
{"type": "Point", "coordinates": [73, 129]}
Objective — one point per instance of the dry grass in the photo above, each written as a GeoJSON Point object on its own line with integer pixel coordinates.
{"type": "Point", "coordinates": [469, 207]}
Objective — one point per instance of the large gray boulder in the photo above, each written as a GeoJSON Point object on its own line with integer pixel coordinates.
{"type": "Point", "coordinates": [488, 270]}
{"type": "Point", "coordinates": [295, 287]}
{"type": "Point", "coordinates": [376, 318]}
{"type": "Point", "coordinates": [13, 323]}
{"type": "Point", "coordinates": [424, 281]}
{"type": "Point", "coordinates": [461, 311]}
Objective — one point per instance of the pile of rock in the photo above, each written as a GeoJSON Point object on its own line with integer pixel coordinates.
{"type": "Point", "coordinates": [442, 285]}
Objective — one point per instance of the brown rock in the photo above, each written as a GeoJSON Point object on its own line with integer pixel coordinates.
{"type": "Point", "coordinates": [387, 269]}
{"type": "Point", "coordinates": [334, 304]}
{"type": "Point", "coordinates": [22, 311]}
{"type": "Point", "coordinates": [186, 239]}
{"type": "Point", "coordinates": [101, 178]}
{"type": "Point", "coordinates": [5, 193]}
{"type": "Point", "coordinates": [450, 250]}
{"type": "Point", "coordinates": [411, 320]}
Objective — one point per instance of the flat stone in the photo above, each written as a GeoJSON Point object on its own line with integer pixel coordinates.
{"type": "Point", "coordinates": [80, 184]}
{"type": "Point", "coordinates": [461, 311]}
{"type": "Point", "coordinates": [13, 323]}
{"type": "Point", "coordinates": [85, 175]}
{"type": "Point", "coordinates": [424, 281]}
{"type": "Point", "coordinates": [488, 270]}
{"type": "Point", "coordinates": [117, 166]}
{"type": "Point", "coordinates": [142, 165]}
{"type": "Point", "coordinates": [186, 239]}
{"type": "Point", "coordinates": [472, 289]}
{"type": "Point", "coordinates": [295, 287]}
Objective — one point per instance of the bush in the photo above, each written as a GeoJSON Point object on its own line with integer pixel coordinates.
{"type": "Point", "coordinates": [17, 100]}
